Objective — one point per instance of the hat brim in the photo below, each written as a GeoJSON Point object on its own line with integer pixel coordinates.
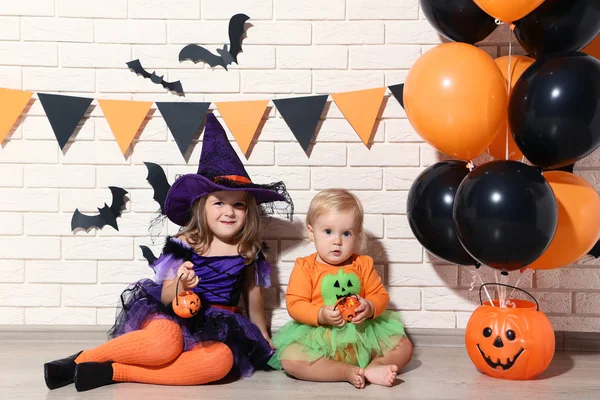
{"type": "Point", "coordinates": [189, 188]}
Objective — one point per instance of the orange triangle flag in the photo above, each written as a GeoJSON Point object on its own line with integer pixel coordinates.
{"type": "Point", "coordinates": [242, 119]}
{"type": "Point", "coordinates": [593, 49]}
{"type": "Point", "coordinates": [124, 118]}
{"type": "Point", "coordinates": [361, 108]}
{"type": "Point", "coordinates": [12, 104]}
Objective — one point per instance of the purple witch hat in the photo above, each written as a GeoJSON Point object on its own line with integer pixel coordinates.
{"type": "Point", "coordinates": [219, 169]}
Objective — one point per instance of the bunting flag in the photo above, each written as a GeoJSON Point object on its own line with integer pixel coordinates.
{"type": "Point", "coordinates": [398, 92]}
{"type": "Point", "coordinates": [12, 104]}
{"type": "Point", "coordinates": [242, 118]}
{"type": "Point", "coordinates": [593, 49]}
{"type": "Point", "coordinates": [302, 114]}
{"type": "Point", "coordinates": [361, 109]}
{"type": "Point", "coordinates": [183, 120]}
{"type": "Point", "coordinates": [125, 118]}
{"type": "Point", "coordinates": [64, 114]}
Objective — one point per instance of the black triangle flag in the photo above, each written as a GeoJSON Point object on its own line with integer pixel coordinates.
{"type": "Point", "coordinates": [398, 92]}
{"type": "Point", "coordinates": [184, 120]}
{"type": "Point", "coordinates": [595, 251]}
{"type": "Point", "coordinates": [64, 114]}
{"type": "Point", "coordinates": [567, 168]}
{"type": "Point", "coordinates": [302, 115]}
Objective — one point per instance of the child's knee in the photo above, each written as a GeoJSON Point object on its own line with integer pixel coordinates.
{"type": "Point", "coordinates": [293, 367]}
{"type": "Point", "coordinates": [166, 351]}
{"type": "Point", "coordinates": [212, 361]}
{"type": "Point", "coordinates": [225, 357]}
{"type": "Point", "coordinates": [406, 346]}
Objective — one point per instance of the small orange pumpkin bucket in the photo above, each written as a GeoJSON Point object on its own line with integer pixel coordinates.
{"type": "Point", "coordinates": [515, 343]}
{"type": "Point", "coordinates": [347, 306]}
{"type": "Point", "coordinates": [185, 304]}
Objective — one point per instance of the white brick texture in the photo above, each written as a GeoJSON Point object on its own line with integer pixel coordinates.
{"type": "Point", "coordinates": [164, 9]}
{"type": "Point", "coordinates": [51, 275]}
{"type": "Point", "coordinates": [91, 8]}
{"type": "Point", "coordinates": [60, 316]}
{"type": "Point", "coordinates": [12, 271]}
{"type": "Point", "coordinates": [27, 7]}
{"type": "Point", "coordinates": [310, 9]}
{"type": "Point", "coordinates": [9, 28]}
{"type": "Point", "coordinates": [42, 29]}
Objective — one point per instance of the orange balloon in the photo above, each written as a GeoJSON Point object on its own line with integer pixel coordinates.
{"type": "Point", "coordinates": [578, 227]}
{"type": "Point", "coordinates": [518, 65]}
{"type": "Point", "coordinates": [593, 49]}
{"type": "Point", "coordinates": [455, 98]}
{"type": "Point", "coordinates": [508, 10]}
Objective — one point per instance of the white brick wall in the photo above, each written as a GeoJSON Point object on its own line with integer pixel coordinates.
{"type": "Point", "coordinates": [48, 275]}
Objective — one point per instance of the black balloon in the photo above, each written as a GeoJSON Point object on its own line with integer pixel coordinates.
{"type": "Point", "coordinates": [554, 110]}
{"type": "Point", "coordinates": [505, 214]}
{"type": "Point", "coordinates": [559, 26]}
{"type": "Point", "coordinates": [458, 20]}
{"type": "Point", "coordinates": [429, 211]}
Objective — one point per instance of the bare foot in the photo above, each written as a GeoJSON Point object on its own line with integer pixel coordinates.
{"type": "Point", "coordinates": [356, 376]}
{"type": "Point", "coordinates": [383, 375]}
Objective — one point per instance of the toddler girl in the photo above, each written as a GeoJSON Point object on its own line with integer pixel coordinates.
{"type": "Point", "coordinates": [319, 345]}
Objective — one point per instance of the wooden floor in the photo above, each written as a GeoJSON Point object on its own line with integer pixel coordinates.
{"type": "Point", "coordinates": [434, 373]}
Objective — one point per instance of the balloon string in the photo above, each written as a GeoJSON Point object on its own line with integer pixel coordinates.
{"type": "Point", "coordinates": [473, 279]}
{"type": "Point", "coordinates": [485, 289]}
{"type": "Point", "coordinates": [498, 289]}
{"type": "Point", "coordinates": [504, 281]}
{"type": "Point", "coordinates": [516, 285]}
{"type": "Point", "coordinates": [510, 33]}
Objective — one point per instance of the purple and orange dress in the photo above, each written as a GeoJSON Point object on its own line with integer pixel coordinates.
{"type": "Point", "coordinates": [219, 289]}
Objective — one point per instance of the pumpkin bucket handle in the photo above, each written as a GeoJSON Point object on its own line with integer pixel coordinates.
{"type": "Point", "coordinates": [177, 290]}
{"type": "Point", "coordinates": [508, 286]}
{"type": "Point", "coordinates": [344, 297]}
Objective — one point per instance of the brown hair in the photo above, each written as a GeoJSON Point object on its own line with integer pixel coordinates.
{"type": "Point", "coordinates": [334, 201]}
{"type": "Point", "coordinates": [199, 236]}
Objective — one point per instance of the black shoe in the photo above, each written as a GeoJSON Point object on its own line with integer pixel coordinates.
{"type": "Point", "coordinates": [60, 373]}
{"type": "Point", "coordinates": [91, 375]}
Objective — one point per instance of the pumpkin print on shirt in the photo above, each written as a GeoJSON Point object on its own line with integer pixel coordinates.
{"type": "Point", "coordinates": [336, 286]}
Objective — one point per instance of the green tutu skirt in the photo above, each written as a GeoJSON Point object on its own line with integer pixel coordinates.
{"type": "Point", "coordinates": [351, 344]}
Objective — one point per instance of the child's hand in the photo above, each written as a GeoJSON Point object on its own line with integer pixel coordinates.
{"type": "Point", "coordinates": [364, 311]}
{"type": "Point", "coordinates": [329, 316]}
{"type": "Point", "coordinates": [266, 336]}
{"type": "Point", "coordinates": [189, 280]}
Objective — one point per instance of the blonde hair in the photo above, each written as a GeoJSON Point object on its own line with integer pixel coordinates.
{"type": "Point", "coordinates": [199, 236]}
{"type": "Point", "coordinates": [331, 201]}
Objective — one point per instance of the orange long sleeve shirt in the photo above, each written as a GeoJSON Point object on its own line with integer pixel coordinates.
{"type": "Point", "coordinates": [314, 285]}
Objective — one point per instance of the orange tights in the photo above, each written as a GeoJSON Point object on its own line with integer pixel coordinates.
{"type": "Point", "coordinates": [154, 354]}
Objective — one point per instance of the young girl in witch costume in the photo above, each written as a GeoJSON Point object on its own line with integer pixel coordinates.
{"type": "Point", "coordinates": [217, 255]}
{"type": "Point", "coordinates": [319, 345]}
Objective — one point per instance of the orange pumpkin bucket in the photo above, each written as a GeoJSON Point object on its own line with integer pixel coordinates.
{"type": "Point", "coordinates": [185, 304]}
{"type": "Point", "coordinates": [347, 306]}
{"type": "Point", "coordinates": [515, 343]}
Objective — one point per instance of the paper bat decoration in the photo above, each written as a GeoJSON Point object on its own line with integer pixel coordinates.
{"type": "Point", "coordinates": [148, 255]}
{"type": "Point", "coordinates": [158, 180]}
{"type": "Point", "coordinates": [107, 215]}
{"type": "Point", "coordinates": [136, 67]}
{"type": "Point", "coordinates": [197, 53]}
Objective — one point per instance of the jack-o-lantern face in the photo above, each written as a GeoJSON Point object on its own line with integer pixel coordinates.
{"type": "Point", "coordinates": [186, 304]}
{"type": "Point", "coordinates": [347, 307]}
{"type": "Point", "coordinates": [510, 343]}
{"type": "Point", "coordinates": [337, 286]}
{"type": "Point", "coordinates": [503, 340]}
